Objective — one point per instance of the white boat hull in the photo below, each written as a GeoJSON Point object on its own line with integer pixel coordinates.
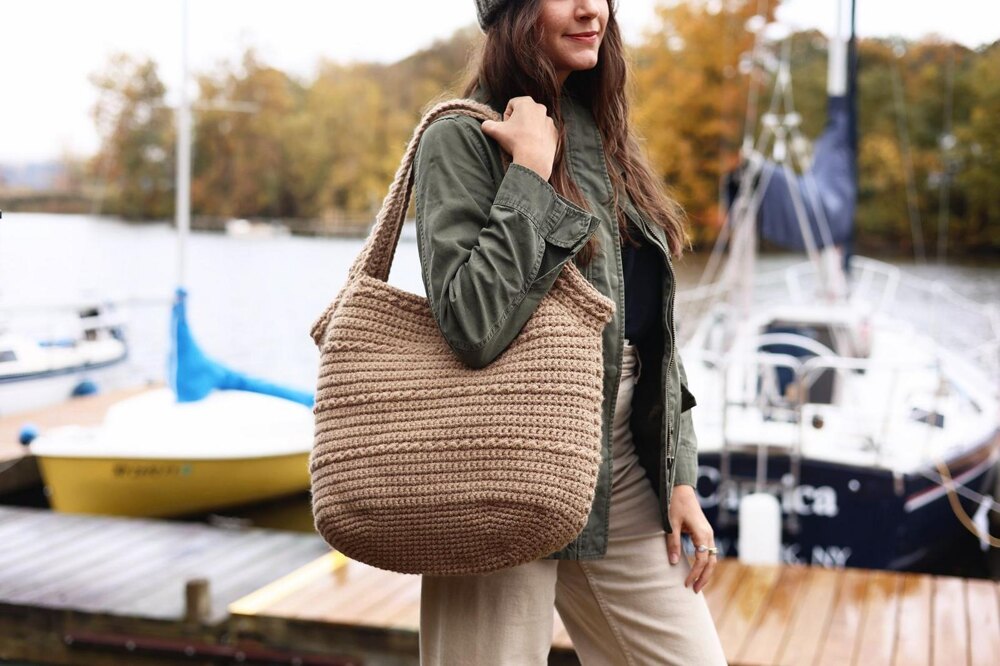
{"type": "Point", "coordinates": [43, 389]}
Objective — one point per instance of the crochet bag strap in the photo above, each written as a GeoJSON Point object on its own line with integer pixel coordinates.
{"type": "Point", "coordinates": [375, 258]}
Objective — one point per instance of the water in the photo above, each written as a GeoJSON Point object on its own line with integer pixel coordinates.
{"type": "Point", "coordinates": [251, 300]}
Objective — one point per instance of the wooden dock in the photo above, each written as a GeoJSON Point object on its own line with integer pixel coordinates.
{"type": "Point", "coordinates": [87, 589]}
{"type": "Point", "coordinates": [84, 589]}
{"type": "Point", "coordinates": [18, 470]}
{"type": "Point", "coordinates": [766, 615]}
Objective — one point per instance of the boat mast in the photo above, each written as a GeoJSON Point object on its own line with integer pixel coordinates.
{"type": "Point", "coordinates": [182, 175]}
{"type": "Point", "coordinates": [831, 256]}
{"type": "Point", "coordinates": [852, 90]}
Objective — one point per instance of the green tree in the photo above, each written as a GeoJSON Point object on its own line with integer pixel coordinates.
{"type": "Point", "coordinates": [136, 156]}
{"type": "Point", "coordinates": [339, 138]}
{"type": "Point", "coordinates": [979, 151]}
{"type": "Point", "coordinates": [241, 161]}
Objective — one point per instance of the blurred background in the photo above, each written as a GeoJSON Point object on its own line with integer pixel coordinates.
{"type": "Point", "coordinates": [301, 112]}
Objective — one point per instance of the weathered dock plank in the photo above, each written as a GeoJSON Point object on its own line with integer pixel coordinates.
{"type": "Point", "coordinates": [766, 615]}
{"type": "Point", "coordinates": [769, 634]}
{"type": "Point", "coordinates": [983, 611]}
{"type": "Point", "coordinates": [914, 644]}
{"type": "Point", "coordinates": [807, 628]}
{"type": "Point", "coordinates": [841, 646]}
{"type": "Point", "coordinates": [746, 607]}
{"type": "Point", "coordinates": [877, 635]}
{"type": "Point", "coordinates": [137, 567]}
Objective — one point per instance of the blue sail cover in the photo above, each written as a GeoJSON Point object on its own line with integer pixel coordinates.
{"type": "Point", "coordinates": [192, 375]}
{"type": "Point", "coordinates": [832, 186]}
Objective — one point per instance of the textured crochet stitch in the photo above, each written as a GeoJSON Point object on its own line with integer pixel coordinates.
{"type": "Point", "coordinates": [422, 464]}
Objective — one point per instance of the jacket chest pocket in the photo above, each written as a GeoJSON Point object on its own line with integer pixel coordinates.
{"type": "Point", "coordinates": [687, 399]}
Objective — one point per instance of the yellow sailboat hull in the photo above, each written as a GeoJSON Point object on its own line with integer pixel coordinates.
{"type": "Point", "coordinates": [164, 487]}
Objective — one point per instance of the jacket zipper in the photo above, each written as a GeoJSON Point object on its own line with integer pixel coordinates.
{"type": "Point", "coordinates": [616, 384]}
{"type": "Point", "coordinates": [673, 344]}
{"type": "Point", "coordinates": [668, 412]}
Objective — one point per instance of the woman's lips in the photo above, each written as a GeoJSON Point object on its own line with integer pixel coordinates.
{"type": "Point", "coordinates": [586, 39]}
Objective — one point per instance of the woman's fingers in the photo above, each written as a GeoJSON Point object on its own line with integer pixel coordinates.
{"type": "Point", "coordinates": [527, 133]}
{"type": "Point", "coordinates": [686, 514]}
{"type": "Point", "coordinates": [512, 105]}
{"type": "Point", "coordinates": [704, 562]}
{"type": "Point", "coordinates": [706, 573]}
{"type": "Point", "coordinates": [674, 546]}
{"type": "Point", "coordinates": [700, 560]}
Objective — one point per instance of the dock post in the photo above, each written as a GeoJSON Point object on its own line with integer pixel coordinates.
{"type": "Point", "coordinates": [197, 601]}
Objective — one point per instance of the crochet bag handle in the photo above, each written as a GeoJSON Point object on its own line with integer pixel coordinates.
{"type": "Point", "coordinates": [375, 258]}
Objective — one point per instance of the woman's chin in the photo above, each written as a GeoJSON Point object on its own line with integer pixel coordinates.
{"type": "Point", "coordinates": [579, 64]}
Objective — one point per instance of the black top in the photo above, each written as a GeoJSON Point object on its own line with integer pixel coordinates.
{"type": "Point", "coordinates": [642, 268]}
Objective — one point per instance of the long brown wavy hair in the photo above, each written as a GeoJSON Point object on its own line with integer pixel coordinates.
{"type": "Point", "coordinates": [511, 60]}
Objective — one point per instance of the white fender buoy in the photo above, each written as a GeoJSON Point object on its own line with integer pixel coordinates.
{"type": "Point", "coordinates": [760, 529]}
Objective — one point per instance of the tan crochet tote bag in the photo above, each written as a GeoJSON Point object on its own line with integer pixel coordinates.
{"type": "Point", "coordinates": [424, 465]}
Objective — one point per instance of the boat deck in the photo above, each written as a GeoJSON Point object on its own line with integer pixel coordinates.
{"type": "Point", "coordinates": [18, 470]}
{"type": "Point", "coordinates": [87, 589]}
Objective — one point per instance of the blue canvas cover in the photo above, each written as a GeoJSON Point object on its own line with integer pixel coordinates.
{"type": "Point", "coordinates": [193, 375]}
{"type": "Point", "coordinates": [833, 188]}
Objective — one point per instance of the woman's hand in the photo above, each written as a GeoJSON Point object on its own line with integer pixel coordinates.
{"type": "Point", "coordinates": [686, 516]}
{"type": "Point", "coordinates": [527, 133]}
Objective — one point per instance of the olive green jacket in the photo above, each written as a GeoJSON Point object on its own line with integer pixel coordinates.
{"type": "Point", "coordinates": [491, 244]}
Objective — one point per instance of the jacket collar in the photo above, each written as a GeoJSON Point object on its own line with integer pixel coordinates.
{"type": "Point", "coordinates": [568, 102]}
{"type": "Point", "coordinates": [482, 94]}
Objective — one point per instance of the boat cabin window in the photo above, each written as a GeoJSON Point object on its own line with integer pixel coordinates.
{"type": "Point", "coordinates": [7, 355]}
{"type": "Point", "coordinates": [803, 340]}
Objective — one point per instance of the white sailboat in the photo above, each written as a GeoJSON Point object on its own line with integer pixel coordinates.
{"type": "Point", "coordinates": [38, 371]}
{"type": "Point", "coordinates": [874, 426]}
{"type": "Point", "coordinates": [212, 438]}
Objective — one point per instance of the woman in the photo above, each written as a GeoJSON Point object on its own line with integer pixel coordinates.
{"type": "Point", "coordinates": [491, 244]}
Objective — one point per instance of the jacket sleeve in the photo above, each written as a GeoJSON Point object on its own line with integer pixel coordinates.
{"type": "Point", "coordinates": [488, 254]}
{"type": "Point", "coordinates": [686, 458]}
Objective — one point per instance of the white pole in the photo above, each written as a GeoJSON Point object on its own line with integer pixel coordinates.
{"type": "Point", "coordinates": [182, 214]}
{"type": "Point", "coordinates": [836, 86]}
{"type": "Point", "coordinates": [836, 69]}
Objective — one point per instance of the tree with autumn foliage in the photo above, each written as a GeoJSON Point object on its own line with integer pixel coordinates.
{"type": "Point", "coordinates": [135, 164]}
{"type": "Point", "coordinates": [978, 147]}
{"type": "Point", "coordinates": [268, 144]}
{"type": "Point", "coordinates": [691, 99]}
{"type": "Point", "coordinates": [241, 158]}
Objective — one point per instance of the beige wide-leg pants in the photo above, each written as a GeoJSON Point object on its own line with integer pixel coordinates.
{"type": "Point", "coordinates": [631, 607]}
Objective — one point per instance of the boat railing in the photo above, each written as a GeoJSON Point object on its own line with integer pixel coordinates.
{"type": "Point", "coordinates": [759, 383]}
{"type": "Point", "coordinates": [871, 425]}
{"type": "Point", "coordinates": [952, 320]}
{"type": "Point", "coordinates": [765, 398]}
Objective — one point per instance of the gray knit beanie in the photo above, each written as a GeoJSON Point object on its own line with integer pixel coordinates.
{"type": "Point", "coordinates": [487, 11]}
